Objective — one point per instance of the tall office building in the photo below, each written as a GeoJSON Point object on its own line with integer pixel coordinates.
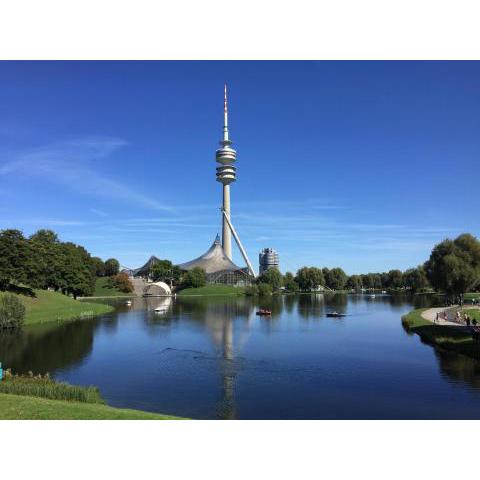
{"type": "Point", "coordinates": [268, 258]}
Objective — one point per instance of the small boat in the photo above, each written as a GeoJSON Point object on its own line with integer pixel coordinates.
{"type": "Point", "coordinates": [128, 303]}
{"type": "Point", "coordinates": [336, 314]}
{"type": "Point", "coordinates": [161, 309]}
{"type": "Point", "coordinates": [264, 312]}
{"type": "Point", "coordinates": [372, 295]}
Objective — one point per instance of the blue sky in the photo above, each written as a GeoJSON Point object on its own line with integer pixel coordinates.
{"type": "Point", "coordinates": [363, 165]}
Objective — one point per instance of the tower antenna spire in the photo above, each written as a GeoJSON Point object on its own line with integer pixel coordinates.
{"type": "Point", "coordinates": [225, 116]}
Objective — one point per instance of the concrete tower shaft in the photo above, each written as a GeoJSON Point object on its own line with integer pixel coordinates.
{"type": "Point", "coordinates": [226, 156]}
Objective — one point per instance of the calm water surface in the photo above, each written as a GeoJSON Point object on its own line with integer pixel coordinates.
{"type": "Point", "coordinates": [214, 358]}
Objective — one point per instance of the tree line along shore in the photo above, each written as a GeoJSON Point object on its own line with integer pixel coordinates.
{"type": "Point", "coordinates": [46, 275]}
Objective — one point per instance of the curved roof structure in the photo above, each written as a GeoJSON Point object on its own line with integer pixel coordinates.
{"type": "Point", "coordinates": [213, 260]}
{"type": "Point", "coordinates": [157, 288]}
{"type": "Point", "coordinates": [145, 269]}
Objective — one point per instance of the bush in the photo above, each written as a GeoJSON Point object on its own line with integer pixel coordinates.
{"type": "Point", "coordinates": [264, 289]}
{"type": "Point", "coordinates": [195, 278]}
{"type": "Point", "coordinates": [123, 283]}
{"type": "Point", "coordinates": [12, 311]}
{"type": "Point", "coordinates": [251, 290]}
{"type": "Point", "coordinates": [45, 387]}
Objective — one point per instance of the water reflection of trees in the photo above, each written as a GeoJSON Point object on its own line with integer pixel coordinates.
{"type": "Point", "coordinates": [459, 367]}
{"type": "Point", "coordinates": [311, 305]}
{"type": "Point", "coordinates": [47, 347]}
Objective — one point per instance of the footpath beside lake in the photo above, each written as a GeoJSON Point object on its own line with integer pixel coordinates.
{"type": "Point", "coordinates": [443, 333]}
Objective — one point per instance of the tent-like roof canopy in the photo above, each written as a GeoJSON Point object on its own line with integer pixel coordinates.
{"type": "Point", "coordinates": [145, 269]}
{"type": "Point", "coordinates": [213, 260]}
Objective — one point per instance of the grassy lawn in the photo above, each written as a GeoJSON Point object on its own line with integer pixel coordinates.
{"type": "Point", "coordinates": [470, 295]}
{"type": "Point", "coordinates": [213, 290]}
{"type": "Point", "coordinates": [473, 313]}
{"type": "Point", "coordinates": [18, 407]}
{"type": "Point", "coordinates": [448, 337]}
{"type": "Point", "coordinates": [48, 306]}
{"type": "Point", "coordinates": [103, 289]}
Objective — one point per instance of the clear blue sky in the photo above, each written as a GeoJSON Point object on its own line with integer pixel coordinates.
{"type": "Point", "coordinates": [363, 165]}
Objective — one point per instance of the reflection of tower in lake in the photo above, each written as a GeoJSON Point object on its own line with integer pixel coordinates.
{"type": "Point", "coordinates": [219, 320]}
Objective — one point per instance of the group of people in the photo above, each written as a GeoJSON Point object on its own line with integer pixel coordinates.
{"type": "Point", "coordinates": [465, 319]}
{"type": "Point", "coordinates": [458, 318]}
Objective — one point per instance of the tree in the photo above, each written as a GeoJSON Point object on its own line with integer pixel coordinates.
{"type": "Point", "coordinates": [368, 280]}
{"type": "Point", "coordinates": [336, 278]}
{"type": "Point", "coordinates": [13, 258]}
{"type": "Point", "coordinates": [12, 311]}
{"type": "Point", "coordinates": [165, 271]}
{"type": "Point", "coordinates": [122, 282]}
{"type": "Point", "coordinates": [289, 282]}
{"type": "Point", "coordinates": [395, 279]}
{"type": "Point", "coordinates": [194, 278]}
{"type": "Point", "coordinates": [264, 289]}
{"type": "Point", "coordinates": [454, 265]}
{"type": "Point", "coordinates": [309, 278]}
{"type": "Point", "coordinates": [415, 279]}
{"type": "Point", "coordinates": [112, 267]}
{"type": "Point", "coordinates": [354, 282]}
{"type": "Point", "coordinates": [45, 257]}
{"type": "Point", "coordinates": [77, 271]}
{"type": "Point", "coordinates": [272, 277]}
{"type": "Point", "coordinates": [99, 266]}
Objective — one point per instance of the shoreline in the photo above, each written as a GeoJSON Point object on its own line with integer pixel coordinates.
{"type": "Point", "coordinates": [447, 335]}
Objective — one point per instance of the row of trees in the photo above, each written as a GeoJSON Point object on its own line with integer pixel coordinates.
{"type": "Point", "coordinates": [453, 268]}
{"type": "Point", "coordinates": [43, 261]}
{"type": "Point", "coordinates": [165, 271]}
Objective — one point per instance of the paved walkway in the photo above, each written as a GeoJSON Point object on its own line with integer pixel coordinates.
{"type": "Point", "coordinates": [431, 315]}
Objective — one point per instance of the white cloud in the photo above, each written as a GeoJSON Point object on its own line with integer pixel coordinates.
{"type": "Point", "coordinates": [68, 164]}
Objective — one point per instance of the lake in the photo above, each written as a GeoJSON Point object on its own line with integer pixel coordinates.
{"type": "Point", "coordinates": [213, 357]}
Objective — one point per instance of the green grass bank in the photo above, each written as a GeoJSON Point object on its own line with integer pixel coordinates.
{"type": "Point", "coordinates": [19, 407]}
{"type": "Point", "coordinates": [212, 290]}
{"type": "Point", "coordinates": [443, 336]}
{"type": "Point", "coordinates": [103, 288]}
{"type": "Point", "coordinates": [46, 306]}
{"type": "Point", "coordinates": [472, 295]}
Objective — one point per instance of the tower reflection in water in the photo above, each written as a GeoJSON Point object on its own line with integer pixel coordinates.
{"type": "Point", "coordinates": [228, 324]}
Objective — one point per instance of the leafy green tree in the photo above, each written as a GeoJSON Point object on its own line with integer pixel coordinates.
{"type": "Point", "coordinates": [336, 279]}
{"type": "Point", "coordinates": [13, 258]}
{"type": "Point", "coordinates": [368, 280]}
{"type": "Point", "coordinates": [264, 289]}
{"type": "Point", "coordinates": [272, 277]}
{"type": "Point", "coordinates": [251, 290]}
{"type": "Point", "coordinates": [454, 265]}
{"type": "Point", "coordinates": [44, 260]}
{"type": "Point", "coordinates": [99, 266]}
{"type": "Point", "coordinates": [112, 267]}
{"type": "Point", "coordinates": [309, 278]}
{"type": "Point", "coordinates": [165, 271]}
{"type": "Point", "coordinates": [12, 311]}
{"type": "Point", "coordinates": [415, 279]}
{"type": "Point", "coordinates": [289, 282]}
{"type": "Point", "coordinates": [354, 282]}
{"type": "Point", "coordinates": [395, 279]}
{"type": "Point", "coordinates": [194, 278]}
{"type": "Point", "coordinates": [77, 271]}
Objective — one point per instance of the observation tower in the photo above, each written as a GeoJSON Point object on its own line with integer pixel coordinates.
{"type": "Point", "coordinates": [226, 156]}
